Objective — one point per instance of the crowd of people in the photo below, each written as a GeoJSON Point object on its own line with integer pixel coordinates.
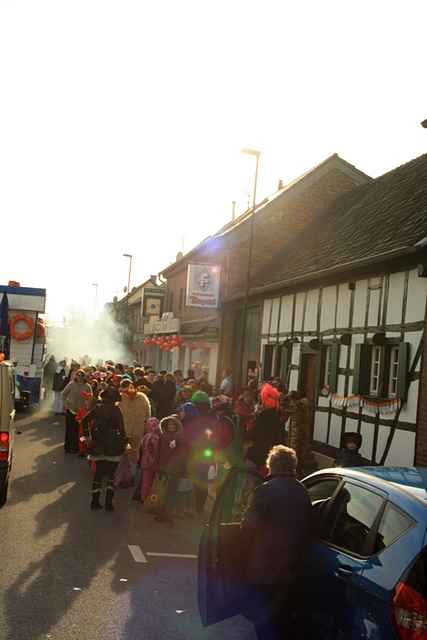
{"type": "Point", "coordinates": [168, 434]}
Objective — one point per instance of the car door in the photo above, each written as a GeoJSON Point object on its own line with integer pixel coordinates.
{"type": "Point", "coordinates": [221, 585]}
{"type": "Point", "coordinates": [332, 577]}
{"type": "Point", "coordinates": [398, 540]}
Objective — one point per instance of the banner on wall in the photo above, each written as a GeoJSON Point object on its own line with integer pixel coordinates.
{"type": "Point", "coordinates": [203, 285]}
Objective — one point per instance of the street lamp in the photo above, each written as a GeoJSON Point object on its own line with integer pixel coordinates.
{"type": "Point", "coordinates": [128, 255]}
{"type": "Point", "coordinates": [256, 154]}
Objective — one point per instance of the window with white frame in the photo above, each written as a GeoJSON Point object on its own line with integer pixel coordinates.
{"type": "Point", "coordinates": [374, 386]}
{"type": "Point", "coordinates": [394, 372]}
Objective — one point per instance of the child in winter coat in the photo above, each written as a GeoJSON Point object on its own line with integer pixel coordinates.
{"type": "Point", "coordinates": [172, 461]}
{"type": "Point", "coordinates": [149, 457]}
{"type": "Point", "coordinates": [349, 455]}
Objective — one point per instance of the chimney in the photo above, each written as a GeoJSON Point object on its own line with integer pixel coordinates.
{"type": "Point", "coordinates": [280, 185]}
{"type": "Point", "coordinates": [179, 256]}
{"type": "Point", "coordinates": [153, 279]}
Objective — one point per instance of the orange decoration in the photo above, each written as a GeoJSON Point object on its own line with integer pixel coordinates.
{"type": "Point", "coordinates": [21, 335]}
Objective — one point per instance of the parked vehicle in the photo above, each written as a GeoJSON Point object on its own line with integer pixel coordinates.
{"type": "Point", "coordinates": [7, 415]}
{"type": "Point", "coordinates": [366, 574]}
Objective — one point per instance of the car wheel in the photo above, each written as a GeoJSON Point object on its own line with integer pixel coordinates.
{"type": "Point", "coordinates": [3, 494]}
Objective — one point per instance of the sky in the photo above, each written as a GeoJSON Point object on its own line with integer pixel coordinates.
{"type": "Point", "coordinates": [121, 122]}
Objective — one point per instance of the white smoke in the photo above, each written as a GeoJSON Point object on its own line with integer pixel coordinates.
{"type": "Point", "coordinates": [99, 339]}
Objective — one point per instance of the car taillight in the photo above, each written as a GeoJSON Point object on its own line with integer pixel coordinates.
{"type": "Point", "coordinates": [410, 613]}
{"type": "Point", "coordinates": [4, 445]}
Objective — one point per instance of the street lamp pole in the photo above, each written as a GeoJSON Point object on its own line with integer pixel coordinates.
{"type": "Point", "coordinates": [256, 154]}
{"type": "Point", "coordinates": [128, 255]}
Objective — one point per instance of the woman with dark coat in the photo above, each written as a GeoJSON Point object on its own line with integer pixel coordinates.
{"type": "Point", "coordinates": [104, 429]}
{"type": "Point", "coordinates": [265, 434]}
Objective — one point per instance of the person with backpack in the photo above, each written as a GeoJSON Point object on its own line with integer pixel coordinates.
{"type": "Point", "coordinates": [105, 433]}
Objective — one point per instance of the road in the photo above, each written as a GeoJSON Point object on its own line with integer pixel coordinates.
{"type": "Point", "coordinates": [68, 573]}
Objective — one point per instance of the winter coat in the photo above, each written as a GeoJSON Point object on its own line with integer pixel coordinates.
{"type": "Point", "coordinates": [266, 432]}
{"type": "Point", "coordinates": [150, 448]}
{"type": "Point", "coordinates": [75, 395]}
{"type": "Point", "coordinates": [59, 380]}
{"type": "Point", "coordinates": [135, 411]}
{"type": "Point", "coordinates": [270, 396]}
{"type": "Point", "coordinates": [163, 394]}
{"type": "Point", "coordinates": [276, 531]}
{"type": "Point", "coordinates": [104, 429]}
{"type": "Point", "coordinates": [349, 458]}
{"type": "Point", "coordinates": [173, 460]}
{"type": "Point", "coordinates": [246, 414]}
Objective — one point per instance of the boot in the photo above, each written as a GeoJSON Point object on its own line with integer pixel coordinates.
{"type": "Point", "coordinates": [109, 495]}
{"type": "Point", "coordinates": [95, 505]}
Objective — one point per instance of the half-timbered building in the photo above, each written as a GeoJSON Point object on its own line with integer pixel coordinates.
{"type": "Point", "coordinates": [342, 315]}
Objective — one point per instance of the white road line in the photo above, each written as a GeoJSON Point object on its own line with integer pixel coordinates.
{"type": "Point", "coordinates": [137, 554]}
{"type": "Point", "coordinates": [153, 554]}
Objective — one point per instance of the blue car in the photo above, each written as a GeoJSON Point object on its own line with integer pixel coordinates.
{"type": "Point", "coordinates": [365, 576]}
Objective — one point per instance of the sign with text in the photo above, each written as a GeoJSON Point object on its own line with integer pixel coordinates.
{"type": "Point", "coordinates": [203, 285]}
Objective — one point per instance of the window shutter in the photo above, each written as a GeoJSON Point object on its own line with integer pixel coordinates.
{"type": "Point", "coordinates": [402, 379]}
{"type": "Point", "coordinates": [284, 364]}
{"type": "Point", "coordinates": [268, 360]}
{"type": "Point", "coordinates": [361, 369]}
{"type": "Point", "coordinates": [335, 354]}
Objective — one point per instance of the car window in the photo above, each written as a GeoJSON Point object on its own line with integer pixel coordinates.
{"type": "Point", "coordinates": [393, 524]}
{"type": "Point", "coordinates": [322, 489]}
{"type": "Point", "coordinates": [355, 510]}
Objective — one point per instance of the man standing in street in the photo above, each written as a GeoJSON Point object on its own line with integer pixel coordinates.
{"type": "Point", "coordinates": [276, 531]}
{"type": "Point", "coordinates": [75, 397]}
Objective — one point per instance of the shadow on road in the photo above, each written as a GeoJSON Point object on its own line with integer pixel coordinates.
{"type": "Point", "coordinates": [75, 539]}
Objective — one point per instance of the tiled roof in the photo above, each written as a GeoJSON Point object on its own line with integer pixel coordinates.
{"type": "Point", "coordinates": [382, 216]}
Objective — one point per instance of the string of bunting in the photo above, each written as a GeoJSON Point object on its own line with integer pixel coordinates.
{"type": "Point", "coordinates": [371, 405]}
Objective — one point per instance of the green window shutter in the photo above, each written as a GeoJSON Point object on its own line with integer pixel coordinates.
{"type": "Point", "coordinates": [362, 366]}
{"type": "Point", "coordinates": [335, 354]}
{"type": "Point", "coordinates": [284, 364]}
{"type": "Point", "coordinates": [402, 379]}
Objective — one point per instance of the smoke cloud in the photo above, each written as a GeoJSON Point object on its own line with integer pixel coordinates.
{"type": "Point", "coordinates": [100, 339]}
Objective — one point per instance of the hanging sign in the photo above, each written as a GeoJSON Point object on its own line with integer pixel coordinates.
{"type": "Point", "coordinates": [203, 285]}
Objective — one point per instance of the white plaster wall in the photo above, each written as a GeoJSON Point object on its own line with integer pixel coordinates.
{"type": "Point", "coordinates": [414, 338]}
{"type": "Point", "coordinates": [299, 308]}
{"type": "Point", "coordinates": [395, 298]}
{"type": "Point", "coordinates": [22, 302]}
{"type": "Point", "coordinates": [358, 338]}
{"type": "Point", "coordinates": [274, 324]}
{"type": "Point", "coordinates": [323, 402]}
{"type": "Point", "coordinates": [350, 425]}
{"type": "Point", "coordinates": [293, 381]}
{"type": "Point", "coordinates": [367, 432]}
{"type": "Point", "coordinates": [329, 301]}
{"type": "Point", "coordinates": [266, 316]}
{"type": "Point", "coordinates": [213, 363]}
{"type": "Point", "coordinates": [343, 355]}
{"type": "Point", "coordinates": [335, 433]}
{"type": "Point", "coordinates": [285, 323]}
{"type": "Point", "coordinates": [321, 426]}
{"type": "Point", "coordinates": [311, 310]}
{"type": "Point", "coordinates": [341, 385]}
{"type": "Point", "coordinates": [402, 451]}
{"type": "Point", "coordinates": [374, 307]}
{"type": "Point", "coordinates": [296, 351]}
{"type": "Point", "coordinates": [359, 310]}
{"type": "Point", "coordinates": [416, 301]}
{"type": "Point", "coordinates": [343, 312]}
{"type": "Point", "coordinates": [409, 409]}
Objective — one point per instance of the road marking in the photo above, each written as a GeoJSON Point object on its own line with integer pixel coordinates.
{"type": "Point", "coordinates": [137, 554]}
{"type": "Point", "coordinates": [189, 556]}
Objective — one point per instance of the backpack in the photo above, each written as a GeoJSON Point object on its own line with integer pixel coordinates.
{"type": "Point", "coordinates": [108, 436]}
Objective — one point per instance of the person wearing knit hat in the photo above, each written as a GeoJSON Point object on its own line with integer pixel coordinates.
{"type": "Point", "coordinates": [200, 398]}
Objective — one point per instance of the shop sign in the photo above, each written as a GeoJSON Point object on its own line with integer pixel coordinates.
{"type": "Point", "coordinates": [203, 285]}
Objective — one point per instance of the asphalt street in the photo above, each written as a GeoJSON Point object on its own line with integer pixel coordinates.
{"type": "Point", "coordinates": [68, 573]}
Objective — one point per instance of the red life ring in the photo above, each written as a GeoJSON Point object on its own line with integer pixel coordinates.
{"type": "Point", "coordinates": [21, 335]}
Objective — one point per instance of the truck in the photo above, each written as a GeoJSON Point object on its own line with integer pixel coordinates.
{"type": "Point", "coordinates": [22, 337]}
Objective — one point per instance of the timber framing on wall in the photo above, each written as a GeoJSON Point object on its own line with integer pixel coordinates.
{"type": "Point", "coordinates": [386, 306]}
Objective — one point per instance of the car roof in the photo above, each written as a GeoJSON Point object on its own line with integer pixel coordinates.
{"type": "Point", "coordinates": [412, 481]}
